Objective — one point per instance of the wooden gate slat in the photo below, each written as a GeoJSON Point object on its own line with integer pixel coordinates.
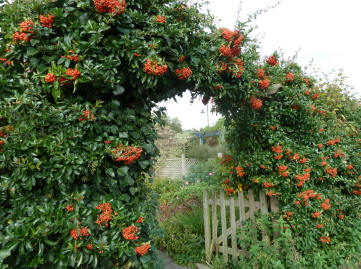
{"type": "Point", "coordinates": [206, 225]}
{"type": "Point", "coordinates": [233, 228]}
{"type": "Point", "coordinates": [224, 227]}
{"type": "Point", "coordinates": [214, 223]}
{"type": "Point", "coordinates": [252, 208]}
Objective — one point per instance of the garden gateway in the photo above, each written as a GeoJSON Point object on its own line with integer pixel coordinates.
{"type": "Point", "coordinates": [78, 82]}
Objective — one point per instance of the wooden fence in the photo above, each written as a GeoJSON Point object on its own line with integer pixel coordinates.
{"type": "Point", "coordinates": [246, 210]}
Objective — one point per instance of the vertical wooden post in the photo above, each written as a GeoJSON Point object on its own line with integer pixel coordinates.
{"type": "Point", "coordinates": [224, 226]}
{"type": "Point", "coordinates": [214, 224]}
{"type": "Point", "coordinates": [233, 229]}
{"type": "Point", "coordinates": [242, 214]}
{"type": "Point", "coordinates": [206, 225]}
{"type": "Point", "coordinates": [274, 208]}
{"type": "Point", "coordinates": [252, 208]}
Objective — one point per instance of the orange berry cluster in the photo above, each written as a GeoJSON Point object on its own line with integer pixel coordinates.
{"type": "Point", "coordinates": [25, 33]}
{"type": "Point", "coordinates": [240, 171]}
{"type": "Point", "coordinates": [86, 116]}
{"type": "Point", "coordinates": [73, 58]}
{"type": "Point", "coordinates": [73, 72]}
{"type": "Point", "coordinates": [130, 233]}
{"type": "Point", "coordinates": [183, 73]}
{"type": "Point", "coordinates": [229, 191]}
{"type": "Point", "coordinates": [115, 7]}
{"type": "Point", "coordinates": [325, 239]}
{"type": "Point", "coordinates": [332, 172]}
{"type": "Point", "coordinates": [128, 154]}
{"type": "Point", "coordinates": [282, 170]}
{"type": "Point", "coordinates": [47, 21]}
{"type": "Point", "coordinates": [272, 60]}
{"type": "Point", "coordinates": [235, 39]}
{"type": "Point", "coordinates": [69, 207]}
{"type": "Point", "coordinates": [83, 232]}
{"type": "Point", "coordinates": [255, 103]}
{"type": "Point", "coordinates": [306, 195]}
{"type": "Point", "coordinates": [263, 84]}
{"type": "Point", "coordinates": [290, 77]}
{"type": "Point", "coordinates": [287, 215]}
{"type": "Point", "coordinates": [358, 189]}
{"type": "Point", "coordinates": [161, 19]}
{"type": "Point", "coordinates": [106, 214]}
{"type": "Point", "coordinates": [4, 60]}
{"type": "Point", "coordinates": [50, 78]}
{"type": "Point", "coordinates": [153, 68]}
{"type": "Point", "coordinates": [143, 249]}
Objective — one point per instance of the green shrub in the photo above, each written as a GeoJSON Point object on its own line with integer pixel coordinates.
{"type": "Point", "coordinates": [184, 237]}
{"type": "Point", "coordinates": [283, 254]}
{"type": "Point", "coordinates": [186, 192]}
{"type": "Point", "coordinates": [165, 185]}
{"type": "Point", "coordinates": [204, 171]}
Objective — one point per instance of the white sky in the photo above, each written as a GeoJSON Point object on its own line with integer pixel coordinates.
{"type": "Point", "coordinates": [325, 31]}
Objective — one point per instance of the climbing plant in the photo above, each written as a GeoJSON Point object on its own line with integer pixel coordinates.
{"type": "Point", "coordinates": [78, 82]}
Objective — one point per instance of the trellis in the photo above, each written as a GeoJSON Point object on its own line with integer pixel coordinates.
{"type": "Point", "coordinates": [247, 210]}
{"type": "Point", "coordinates": [175, 168]}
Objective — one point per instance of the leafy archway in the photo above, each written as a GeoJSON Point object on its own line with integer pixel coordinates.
{"type": "Point", "coordinates": [78, 82]}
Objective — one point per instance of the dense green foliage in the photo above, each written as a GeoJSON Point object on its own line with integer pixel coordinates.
{"type": "Point", "coordinates": [183, 237]}
{"type": "Point", "coordinates": [78, 82]}
{"type": "Point", "coordinates": [181, 218]}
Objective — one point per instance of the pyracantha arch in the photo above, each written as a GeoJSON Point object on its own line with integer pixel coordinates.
{"type": "Point", "coordinates": [78, 82]}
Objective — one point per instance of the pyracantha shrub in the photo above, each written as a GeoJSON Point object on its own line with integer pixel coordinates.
{"type": "Point", "coordinates": [77, 89]}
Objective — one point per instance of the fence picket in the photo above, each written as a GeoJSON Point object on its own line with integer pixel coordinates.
{"type": "Point", "coordinates": [274, 208]}
{"type": "Point", "coordinates": [206, 225]}
{"type": "Point", "coordinates": [224, 227]}
{"type": "Point", "coordinates": [264, 210]}
{"type": "Point", "coordinates": [233, 229]}
{"type": "Point", "coordinates": [214, 223]}
{"type": "Point", "coordinates": [252, 207]}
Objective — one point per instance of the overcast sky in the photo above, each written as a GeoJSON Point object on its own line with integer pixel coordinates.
{"type": "Point", "coordinates": [326, 32]}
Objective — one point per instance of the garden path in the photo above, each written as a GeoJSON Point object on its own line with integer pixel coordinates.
{"type": "Point", "coordinates": [168, 262]}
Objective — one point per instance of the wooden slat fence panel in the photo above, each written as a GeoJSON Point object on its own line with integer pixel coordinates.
{"type": "Point", "coordinates": [219, 243]}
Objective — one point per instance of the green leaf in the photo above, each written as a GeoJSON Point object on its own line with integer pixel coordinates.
{"type": "Point", "coordinates": [120, 90]}
{"type": "Point", "coordinates": [133, 190]}
{"type": "Point", "coordinates": [34, 62]}
{"type": "Point", "coordinates": [123, 135]}
{"type": "Point", "coordinates": [144, 164]}
{"type": "Point", "coordinates": [110, 172]}
{"type": "Point", "coordinates": [129, 180]}
{"type": "Point", "coordinates": [60, 61]}
{"type": "Point", "coordinates": [4, 253]}
{"type": "Point", "coordinates": [122, 171]}
{"type": "Point", "coordinates": [31, 51]}
{"type": "Point", "coordinates": [50, 243]}
{"type": "Point", "coordinates": [42, 68]}
{"type": "Point", "coordinates": [55, 93]}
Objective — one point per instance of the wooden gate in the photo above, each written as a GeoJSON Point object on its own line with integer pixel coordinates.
{"type": "Point", "coordinates": [247, 210]}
